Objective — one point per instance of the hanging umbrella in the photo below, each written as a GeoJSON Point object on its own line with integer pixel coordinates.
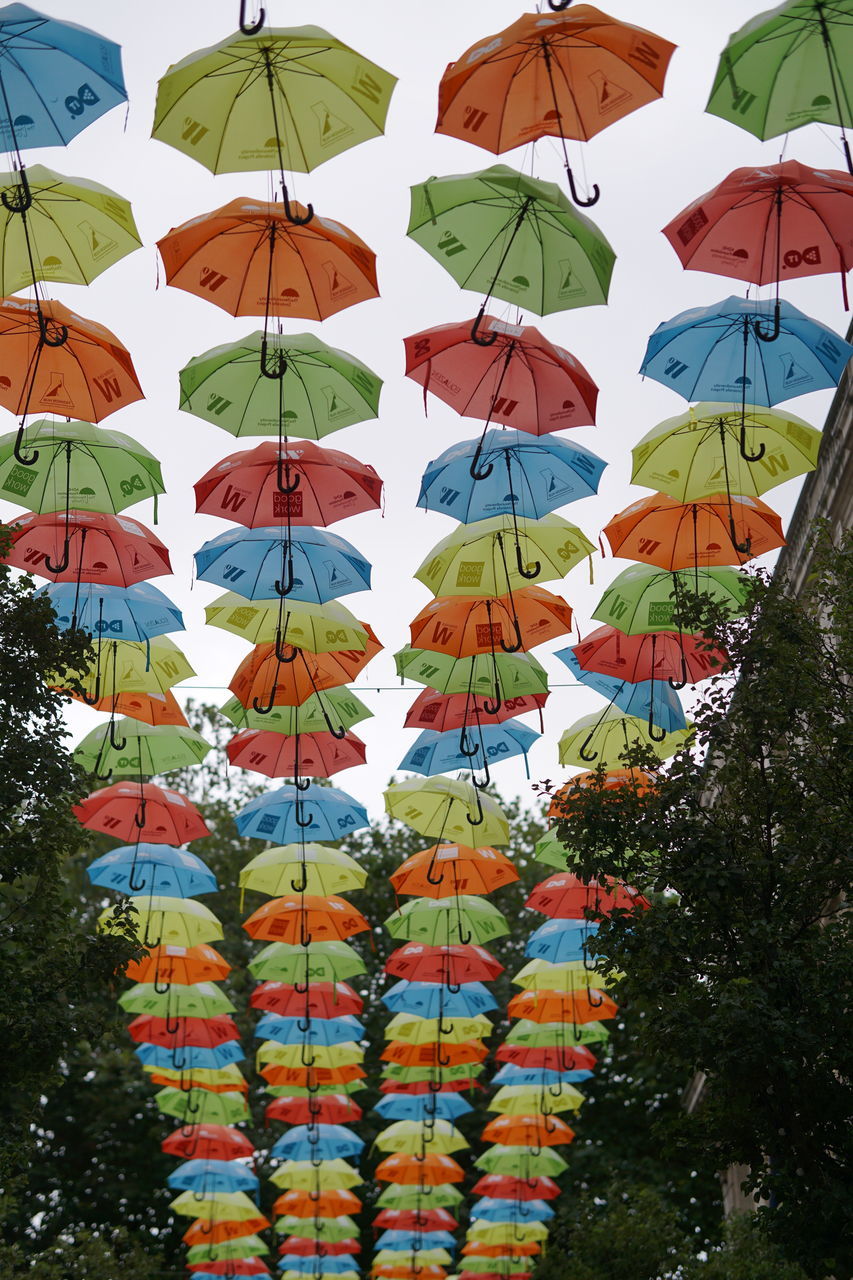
{"type": "Point", "coordinates": [320, 962]}
{"type": "Point", "coordinates": [434, 999]}
{"type": "Point", "coordinates": [298, 483]}
{"type": "Point", "coordinates": [438, 1219]}
{"type": "Point", "coordinates": [58, 78]}
{"type": "Point", "coordinates": [303, 918]}
{"type": "Point", "coordinates": [786, 68]}
{"type": "Point", "coordinates": [155, 868]}
{"type": "Point", "coordinates": [499, 1210]}
{"type": "Point", "coordinates": [210, 1142]}
{"type": "Point", "coordinates": [463, 625]}
{"type": "Point", "coordinates": [303, 1028]}
{"type": "Point", "coordinates": [403, 1106]}
{"type": "Point", "coordinates": [293, 813]}
{"type": "Point", "coordinates": [249, 1247]}
{"type": "Point", "coordinates": [715, 353]}
{"type": "Point", "coordinates": [568, 897]}
{"type": "Point", "coordinates": [409, 1028]}
{"type": "Point", "coordinates": [143, 811]}
{"type": "Point", "coordinates": [492, 675]}
{"type": "Point", "coordinates": [317, 1141]}
{"type": "Point", "coordinates": [527, 1130]}
{"type": "Point", "coordinates": [520, 1162]}
{"type": "Point", "coordinates": [150, 666]}
{"type": "Point", "coordinates": [551, 851]}
{"type": "Point", "coordinates": [178, 965]}
{"type": "Point", "coordinates": [660, 655]}
{"type": "Point", "coordinates": [302, 1175]}
{"type": "Point", "coordinates": [273, 674]}
{"type": "Point", "coordinates": [152, 708]}
{"type": "Point", "coordinates": [442, 712]}
{"type": "Point", "coordinates": [315, 868]}
{"type": "Point", "coordinates": [324, 1000]}
{"type": "Point", "coordinates": [434, 753]}
{"type": "Point", "coordinates": [447, 869]}
{"type": "Point", "coordinates": [315, 389]}
{"type": "Point", "coordinates": [476, 559]}
{"type": "Point", "coordinates": [561, 75]}
{"type": "Point", "coordinates": [208, 1033]}
{"type": "Point", "coordinates": [333, 708]}
{"type": "Point", "coordinates": [654, 700]}
{"type": "Point", "coordinates": [566, 1006]}
{"type": "Point", "coordinates": [571, 975]}
{"type": "Point", "coordinates": [661, 531]}
{"type": "Point", "coordinates": [158, 921]}
{"type": "Point", "coordinates": [646, 598]}
{"type": "Point", "coordinates": [314, 755]}
{"type": "Point", "coordinates": [145, 749]}
{"type": "Point", "coordinates": [104, 548]}
{"type": "Point", "coordinates": [135, 613]}
{"type": "Point", "coordinates": [400, 1196]}
{"type": "Point", "coordinates": [503, 234]}
{"type": "Point", "coordinates": [255, 258]}
{"type": "Point", "coordinates": [201, 1106]}
{"type": "Point", "coordinates": [607, 737]}
{"type": "Point", "coordinates": [450, 965]}
{"type": "Point", "coordinates": [331, 1204]}
{"type": "Point", "coordinates": [447, 808]}
{"type": "Point", "coordinates": [263, 563]}
{"type": "Point", "coordinates": [62, 229]}
{"type": "Point", "coordinates": [442, 922]}
{"type": "Point", "coordinates": [435, 1056]}
{"type": "Point", "coordinates": [516, 1100]}
{"type": "Point", "coordinates": [542, 1188]}
{"type": "Point", "coordinates": [560, 940]}
{"type": "Point", "coordinates": [506, 472]}
{"type": "Point", "coordinates": [409, 1170]}
{"type": "Point", "coordinates": [213, 1175]}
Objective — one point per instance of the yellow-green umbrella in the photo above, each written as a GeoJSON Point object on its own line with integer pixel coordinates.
{"type": "Point", "coordinates": [440, 1136]}
{"type": "Point", "coordinates": [411, 1258]}
{"type": "Point", "coordinates": [161, 921]}
{"type": "Point", "coordinates": [203, 1077]}
{"type": "Point", "coordinates": [322, 628]}
{"type": "Point", "coordinates": [492, 556]}
{"type": "Point", "coordinates": [570, 975]}
{"type": "Point", "coordinates": [303, 1175]}
{"type": "Point", "coordinates": [135, 666]}
{"type": "Point", "coordinates": [505, 1232]}
{"type": "Point", "coordinates": [311, 868]}
{"type": "Point", "coordinates": [331, 1229]}
{"type": "Point", "coordinates": [340, 706]}
{"type": "Point", "coordinates": [318, 1055]}
{"type": "Point", "coordinates": [544, 1034]}
{"type": "Point", "coordinates": [412, 1029]}
{"type": "Point", "coordinates": [243, 1247]}
{"type": "Point", "coordinates": [222, 1206]}
{"type": "Point", "coordinates": [202, 1106]}
{"type": "Point", "coordinates": [516, 1099]}
{"type": "Point", "coordinates": [131, 748]}
{"type": "Point", "coordinates": [605, 738]}
{"type": "Point", "coordinates": [449, 809]}
{"type": "Point", "coordinates": [193, 1000]}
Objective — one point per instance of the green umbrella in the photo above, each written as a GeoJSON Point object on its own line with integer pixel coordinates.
{"type": "Point", "coordinates": [413, 1029]}
{"type": "Point", "coordinates": [398, 1196]}
{"type": "Point", "coordinates": [552, 852]}
{"type": "Point", "coordinates": [194, 1000]}
{"type": "Point", "coordinates": [321, 389]}
{"type": "Point", "coordinates": [341, 1228]}
{"type": "Point", "coordinates": [411, 1258]}
{"type": "Point", "coordinates": [789, 67]}
{"type": "Point", "coordinates": [312, 716]}
{"type": "Point", "coordinates": [441, 922]}
{"type": "Point", "coordinates": [644, 598]}
{"type": "Point", "coordinates": [132, 666]}
{"type": "Point", "coordinates": [521, 1162]}
{"type": "Point", "coordinates": [57, 228]}
{"type": "Point", "coordinates": [501, 233]}
{"type": "Point", "coordinates": [218, 1206]}
{"type": "Point", "coordinates": [528, 1100]}
{"type": "Point", "coordinates": [540, 1035]}
{"type": "Point", "coordinates": [568, 975]}
{"type": "Point", "coordinates": [305, 1175]}
{"type": "Point", "coordinates": [201, 1106]}
{"type": "Point", "coordinates": [165, 921]}
{"type": "Point", "coordinates": [320, 962]}
{"type": "Point", "coordinates": [504, 1265]}
{"type": "Point", "coordinates": [144, 750]}
{"type": "Point", "coordinates": [459, 1071]}
{"type": "Point", "coordinates": [243, 1247]}
{"type": "Point", "coordinates": [490, 557]}
{"type": "Point", "coordinates": [322, 628]}
{"type": "Point", "coordinates": [414, 1135]}
{"type": "Point", "coordinates": [493, 675]}
{"type": "Point", "coordinates": [713, 448]}
{"type": "Point", "coordinates": [606, 737]}
{"type": "Point", "coordinates": [448, 808]}
{"type": "Point", "coordinates": [306, 868]}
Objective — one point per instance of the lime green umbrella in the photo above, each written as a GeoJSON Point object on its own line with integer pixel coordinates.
{"type": "Point", "coordinates": [413, 1075]}
{"type": "Point", "coordinates": [146, 749]}
{"type": "Point", "coordinates": [206, 1078]}
{"type": "Point", "coordinates": [692, 455]}
{"type": "Point", "coordinates": [541, 1035]}
{"type": "Point", "coordinates": [448, 808]}
{"type": "Point", "coordinates": [644, 598]}
{"type": "Point", "coordinates": [331, 961]}
{"type": "Point", "coordinates": [202, 1106]}
{"type": "Point", "coordinates": [552, 852]}
{"type": "Point", "coordinates": [195, 1000]}
{"type": "Point", "coordinates": [163, 921]}
{"type": "Point", "coordinates": [287, 98]}
{"type": "Point", "coordinates": [788, 67]}
{"type": "Point", "coordinates": [342, 707]}
{"type": "Point", "coordinates": [63, 229]}
{"type": "Point", "coordinates": [411, 1258]}
{"type": "Point", "coordinates": [242, 1247]}
{"type": "Point", "coordinates": [505, 1264]}
{"type": "Point", "coordinates": [499, 232]}
{"type": "Point", "coordinates": [606, 737]}
{"type": "Point", "coordinates": [570, 975]}
{"type": "Point", "coordinates": [398, 1196]}
{"type": "Point", "coordinates": [302, 1091]}
{"type": "Point", "coordinates": [304, 1175]}
{"type": "Point", "coordinates": [343, 1054]}
{"type": "Point", "coordinates": [306, 868]}
{"type": "Point", "coordinates": [441, 922]}
{"type": "Point", "coordinates": [341, 1228]}
{"type": "Point", "coordinates": [322, 628]}
{"type": "Point", "coordinates": [490, 557]}
{"type": "Point", "coordinates": [413, 1029]}
{"type": "Point", "coordinates": [522, 1100]}
{"type": "Point", "coordinates": [506, 1232]}
{"type": "Point", "coordinates": [514, 674]}
{"type": "Point", "coordinates": [521, 1162]}
{"type": "Point", "coordinates": [321, 389]}
{"type": "Point", "coordinates": [133, 666]}
{"type": "Point", "coordinates": [225, 1206]}
{"type": "Point", "coordinates": [439, 1137]}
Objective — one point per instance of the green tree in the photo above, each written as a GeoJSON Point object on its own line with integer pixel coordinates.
{"type": "Point", "coordinates": [742, 965]}
{"type": "Point", "coordinates": [745, 1254]}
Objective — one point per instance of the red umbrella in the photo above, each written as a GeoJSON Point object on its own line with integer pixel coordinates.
{"type": "Point", "coordinates": [327, 1108]}
{"type": "Point", "coordinates": [460, 1085]}
{"type": "Point", "coordinates": [306, 1247]}
{"type": "Point", "coordinates": [232, 1267]}
{"type": "Point", "coordinates": [301, 483]}
{"type": "Point", "coordinates": [547, 1057]}
{"type": "Point", "coordinates": [415, 1219]}
{"type": "Point", "coordinates": [208, 1142]}
{"type": "Point", "coordinates": [130, 811]}
{"type": "Point", "coordinates": [503, 1187]}
{"type": "Point", "coordinates": [776, 222]}
{"type": "Point", "coordinates": [662, 654]}
{"type": "Point", "coordinates": [565, 897]}
{"type": "Point", "coordinates": [114, 550]}
{"type": "Point", "coordinates": [310, 755]}
{"type": "Point", "coordinates": [444, 712]}
{"type": "Point", "coordinates": [321, 1000]}
{"type": "Point", "coordinates": [450, 964]}
{"type": "Point", "coordinates": [204, 1033]}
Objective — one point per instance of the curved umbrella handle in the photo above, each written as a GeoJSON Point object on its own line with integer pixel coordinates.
{"type": "Point", "coordinates": [51, 333]}
{"type": "Point", "coordinates": [453, 988]}
{"type": "Point", "coordinates": [193, 1107]}
{"type": "Point", "coordinates": [180, 1063]}
{"type": "Point", "coordinates": [774, 332]}
{"type": "Point", "coordinates": [303, 882]}
{"type": "Point", "coordinates": [161, 988]}
{"type": "Point", "coordinates": [299, 814]}
{"type": "Point", "coordinates": [139, 816]}
{"type": "Point", "coordinates": [482, 783]}
{"type": "Point", "coordinates": [476, 472]}
{"type": "Point", "coordinates": [118, 743]}
{"type": "Point", "coordinates": [104, 777]}
{"type": "Point", "coordinates": [294, 217]}
{"type": "Point", "coordinates": [304, 1024]}
{"type": "Point", "coordinates": [444, 1030]}
{"type": "Point", "coordinates": [524, 572]}
{"type": "Point", "coordinates": [583, 753]}
{"type": "Point", "coordinates": [593, 1004]}
{"type": "Point", "coordinates": [315, 1106]}
{"type": "Point", "coordinates": [441, 1060]}
{"type": "Point", "coordinates": [749, 457]}
{"type": "Point", "coordinates": [576, 196]}
{"type": "Point", "coordinates": [684, 681]}
{"type": "Point", "coordinates": [303, 1050]}
{"type": "Point", "coordinates": [22, 198]}
{"type": "Point", "coordinates": [557, 6]}
{"type": "Point", "coordinates": [283, 470]}
{"type": "Point", "coordinates": [264, 710]}
{"type": "Point", "coordinates": [251, 28]}
{"type": "Point", "coordinates": [480, 818]}
{"type": "Point", "coordinates": [280, 646]}
{"type": "Point", "coordinates": [431, 879]}
{"type": "Point", "coordinates": [513, 648]}
{"type": "Point", "coordinates": [172, 1030]}
{"type": "Point", "coordinates": [288, 586]}
{"type": "Point", "coordinates": [434, 1086]}
{"type": "Point", "coordinates": [28, 462]}
{"type": "Point", "coordinates": [131, 879]}
{"type": "Point", "coordinates": [62, 564]}
{"type": "Point", "coordinates": [477, 337]}
{"type": "Point", "coordinates": [656, 733]}
{"type": "Point", "coordinates": [273, 369]}
{"type": "Point", "coordinates": [464, 749]}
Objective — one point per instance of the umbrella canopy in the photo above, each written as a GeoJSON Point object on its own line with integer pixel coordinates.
{"type": "Point", "coordinates": [302, 1175]}
{"type": "Point", "coordinates": [274, 674]}
{"type": "Point", "coordinates": [201, 1106]}
{"type": "Point", "coordinates": [175, 964]}
{"type": "Point", "coordinates": [323, 628]}
{"type": "Point", "coordinates": [528, 1130]}
{"type": "Point", "coordinates": [198, 1000]}
{"type": "Point", "coordinates": [308, 565]}
{"type": "Point", "coordinates": [410, 1170]}
{"type": "Point", "coordinates": [303, 918]}
{"type": "Point", "coordinates": [331, 1204]}
{"type": "Point", "coordinates": [449, 965]}
{"type": "Point", "coordinates": [414, 1029]}
{"type": "Point", "coordinates": [198, 1032]}
{"type": "Point", "coordinates": [654, 700]}
{"type": "Point", "coordinates": [434, 999]}
{"type": "Point", "coordinates": [207, 1175]}
{"type": "Point", "coordinates": [156, 868]}
{"type": "Point", "coordinates": [447, 808]}
{"type": "Point", "coordinates": [465, 625]}
{"type": "Point", "coordinates": [304, 1142]}
{"type": "Point", "coordinates": [104, 548]}
{"type": "Point", "coordinates": [328, 961]}
{"type": "Point", "coordinates": [490, 674]}
{"type": "Point", "coordinates": [609, 736]}
{"type": "Point", "coordinates": [441, 922]}
{"type": "Point", "coordinates": [134, 613]}
{"type": "Point", "coordinates": [145, 749]}
{"type": "Point", "coordinates": [495, 555]}
{"type": "Point", "coordinates": [313, 867]}
{"type": "Point", "coordinates": [646, 598]}
{"type": "Point", "coordinates": [568, 897]}
{"type": "Point", "coordinates": [510, 1188]}
{"type": "Point", "coordinates": [570, 1006]}
{"type": "Point", "coordinates": [142, 811]}
{"type": "Point", "coordinates": [401, 1106]}
{"type": "Point", "coordinates": [315, 755]}
{"type": "Point", "coordinates": [291, 814]}
{"type": "Point", "coordinates": [444, 870]}
{"type": "Point", "coordinates": [131, 666]}
{"type": "Point", "coordinates": [325, 1000]}
{"type": "Point", "coordinates": [659, 654]}
{"type": "Point", "coordinates": [331, 1108]}
{"type": "Point", "coordinates": [719, 530]}
{"type": "Point", "coordinates": [332, 708]}
{"type": "Point", "coordinates": [432, 710]}
{"type": "Point", "coordinates": [161, 921]}
{"type": "Point", "coordinates": [208, 1142]}
{"type": "Point", "coordinates": [434, 753]}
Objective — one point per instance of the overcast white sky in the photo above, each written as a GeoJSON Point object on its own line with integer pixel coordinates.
{"type": "Point", "coordinates": [649, 166]}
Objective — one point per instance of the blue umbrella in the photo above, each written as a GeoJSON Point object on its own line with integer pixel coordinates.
{"type": "Point", "coordinates": [153, 868]}
{"type": "Point", "coordinates": [137, 613]}
{"type": "Point", "coordinates": [259, 564]}
{"type": "Point", "coordinates": [416, 1240]}
{"type": "Point", "coordinates": [276, 1026]}
{"type": "Point", "coordinates": [493, 1210]}
{"type": "Point", "coordinates": [58, 78]}
{"type": "Point", "coordinates": [560, 940]}
{"type": "Point", "coordinates": [213, 1175]}
{"type": "Point", "coordinates": [319, 1141]}
{"type": "Point", "coordinates": [714, 353]}
{"type": "Point", "coordinates": [518, 474]}
{"type": "Point", "coordinates": [418, 1106]}
{"type": "Point", "coordinates": [288, 815]}
{"type": "Point", "coordinates": [430, 999]}
{"type": "Point", "coordinates": [652, 700]}
{"type": "Point", "coordinates": [538, 1076]}
{"type": "Point", "coordinates": [190, 1056]}
{"type": "Point", "coordinates": [329, 1265]}
{"type": "Point", "coordinates": [434, 752]}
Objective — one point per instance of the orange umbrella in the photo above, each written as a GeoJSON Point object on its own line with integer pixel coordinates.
{"type": "Point", "coordinates": [184, 965]}
{"type": "Point", "coordinates": [151, 708]}
{"type": "Point", "coordinates": [313, 755]}
{"type": "Point", "coordinates": [478, 1249]}
{"type": "Point", "coordinates": [423, 1271]}
{"type": "Point", "coordinates": [288, 677]}
{"type": "Point", "coordinates": [251, 260]}
{"type": "Point", "coordinates": [434, 1053]}
{"type": "Point", "coordinates": [55, 361]}
{"type": "Point", "coordinates": [300, 917]}
{"type": "Point", "coordinates": [189, 1082]}
{"type": "Point", "coordinates": [331, 1204]}
{"type": "Point", "coordinates": [612, 780]}
{"type": "Point", "coordinates": [444, 870]}
{"type": "Point", "coordinates": [528, 1131]}
{"type": "Point", "coordinates": [562, 1006]}
{"type": "Point", "coordinates": [429, 1170]}
{"type": "Point", "coordinates": [719, 530]}
{"type": "Point", "coordinates": [203, 1231]}
{"type": "Point", "coordinates": [465, 625]}
{"type": "Point", "coordinates": [312, 1077]}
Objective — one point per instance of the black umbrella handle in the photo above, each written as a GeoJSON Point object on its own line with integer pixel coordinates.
{"type": "Point", "coordinates": [251, 28]}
